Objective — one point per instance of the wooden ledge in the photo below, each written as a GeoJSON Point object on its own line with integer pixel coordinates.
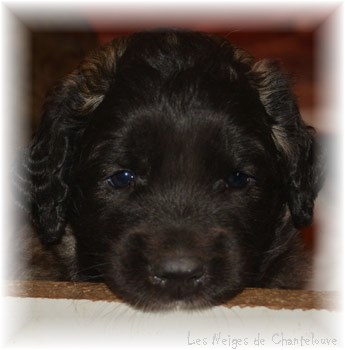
{"type": "Point", "coordinates": [271, 298]}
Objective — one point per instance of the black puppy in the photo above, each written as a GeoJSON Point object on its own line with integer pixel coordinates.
{"type": "Point", "coordinates": [180, 170]}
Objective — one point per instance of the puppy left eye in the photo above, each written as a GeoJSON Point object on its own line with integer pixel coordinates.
{"type": "Point", "coordinates": [121, 179]}
{"type": "Point", "coordinates": [239, 179]}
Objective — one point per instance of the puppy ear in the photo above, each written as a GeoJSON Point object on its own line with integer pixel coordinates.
{"type": "Point", "coordinates": [300, 156]}
{"type": "Point", "coordinates": [52, 153]}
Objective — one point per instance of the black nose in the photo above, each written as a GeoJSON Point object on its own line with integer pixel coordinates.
{"type": "Point", "coordinates": [178, 268]}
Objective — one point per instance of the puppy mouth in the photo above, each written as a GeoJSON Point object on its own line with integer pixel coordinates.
{"type": "Point", "coordinates": [185, 274]}
{"type": "Point", "coordinates": [173, 297]}
{"type": "Point", "coordinates": [158, 292]}
{"type": "Point", "coordinates": [182, 285]}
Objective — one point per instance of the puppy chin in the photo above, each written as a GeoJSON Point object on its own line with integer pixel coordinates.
{"type": "Point", "coordinates": [177, 305]}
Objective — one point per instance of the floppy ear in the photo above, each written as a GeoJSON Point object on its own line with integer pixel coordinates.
{"type": "Point", "coordinates": [47, 169]}
{"type": "Point", "coordinates": [299, 153]}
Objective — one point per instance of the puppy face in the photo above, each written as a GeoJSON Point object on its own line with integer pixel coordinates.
{"type": "Point", "coordinates": [181, 167]}
{"type": "Point", "coordinates": [199, 207]}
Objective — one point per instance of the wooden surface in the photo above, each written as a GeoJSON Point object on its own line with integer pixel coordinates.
{"type": "Point", "coordinates": [271, 298]}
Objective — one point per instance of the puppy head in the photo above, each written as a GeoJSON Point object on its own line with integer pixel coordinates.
{"type": "Point", "coordinates": [174, 158]}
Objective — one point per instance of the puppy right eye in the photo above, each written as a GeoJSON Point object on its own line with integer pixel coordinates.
{"type": "Point", "coordinates": [121, 179]}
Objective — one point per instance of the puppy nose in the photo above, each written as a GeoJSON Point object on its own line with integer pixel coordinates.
{"type": "Point", "coordinates": [178, 268]}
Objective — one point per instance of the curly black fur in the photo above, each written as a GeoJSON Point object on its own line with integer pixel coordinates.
{"type": "Point", "coordinates": [183, 111]}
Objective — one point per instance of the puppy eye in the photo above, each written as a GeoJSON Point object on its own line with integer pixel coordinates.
{"type": "Point", "coordinates": [121, 179]}
{"type": "Point", "coordinates": [239, 180]}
